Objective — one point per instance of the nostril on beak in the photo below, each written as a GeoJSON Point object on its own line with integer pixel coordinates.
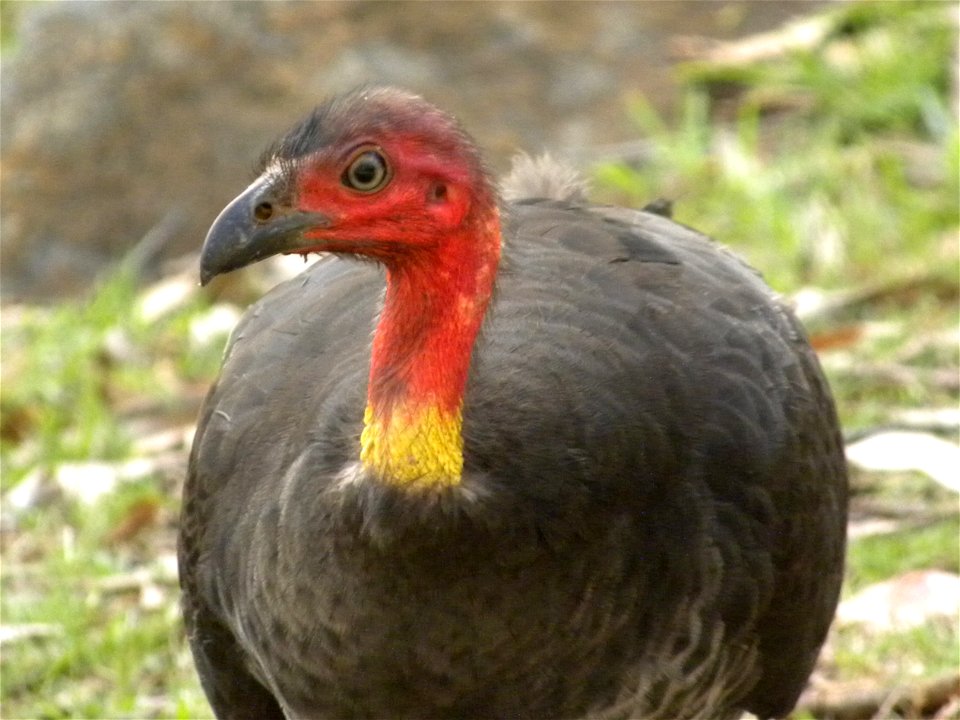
{"type": "Point", "coordinates": [263, 212]}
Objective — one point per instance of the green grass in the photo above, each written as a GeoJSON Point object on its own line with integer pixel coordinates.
{"type": "Point", "coordinates": [927, 651]}
{"type": "Point", "coordinates": [67, 376]}
{"type": "Point", "coordinates": [69, 372]}
{"type": "Point", "coordinates": [113, 658]}
{"type": "Point", "coordinates": [9, 14]}
{"type": "Point", "coordinates": [114, 653]}
{"type": "Point", "coordinates": [867, 169]}
{"type": "Point", "coordinates": [855, 183]}
{"type": "Point", "coordinates": [877, 557]}
{"type": "Point", "coordinates": [68, 368]}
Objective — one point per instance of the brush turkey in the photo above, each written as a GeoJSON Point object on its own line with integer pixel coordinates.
{"type": "Point", "coordinates": [539, 459]}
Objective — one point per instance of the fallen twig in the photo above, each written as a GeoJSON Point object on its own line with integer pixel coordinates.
{"type": "Point", "coordinates": [813, 306]}
{"type": "Point", "coordinates": [854, 701]}
{"type": "Point", "coordinates": [803, 34]}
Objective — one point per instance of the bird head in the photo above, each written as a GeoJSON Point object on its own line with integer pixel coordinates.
{"type": "Point", "coordinates": [377, 172]}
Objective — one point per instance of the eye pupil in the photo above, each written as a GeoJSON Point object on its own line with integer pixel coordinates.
{"type": "Point", "coordinates": [367, 172]}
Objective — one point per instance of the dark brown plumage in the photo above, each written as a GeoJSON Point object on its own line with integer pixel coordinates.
{"type": "Point", "coordinates": [650, 517]}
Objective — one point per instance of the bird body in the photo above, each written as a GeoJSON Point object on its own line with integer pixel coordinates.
{"type": "Point", "coordinates": [587, 465]}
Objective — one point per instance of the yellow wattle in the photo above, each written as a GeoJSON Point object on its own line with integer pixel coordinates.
{"type": "Point", "coordinates": [414, 446]}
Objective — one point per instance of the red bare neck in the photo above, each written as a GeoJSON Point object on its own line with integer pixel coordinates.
{"type": "Point", "coordinates": [434, 305]}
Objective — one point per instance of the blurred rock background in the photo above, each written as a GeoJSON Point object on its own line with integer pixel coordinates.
{"type": "Point", "coordinates": [130, 121]}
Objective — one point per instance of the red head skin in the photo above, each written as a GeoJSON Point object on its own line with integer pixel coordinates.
{"type": "Point", "coordinates": [435, 227]}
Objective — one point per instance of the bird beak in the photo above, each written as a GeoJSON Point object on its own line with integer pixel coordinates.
{"type": "Point", "coordinates": [253, 227]}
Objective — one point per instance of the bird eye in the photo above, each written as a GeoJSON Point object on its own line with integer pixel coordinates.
{"type": "Point", "coordinates": [367, 172]}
